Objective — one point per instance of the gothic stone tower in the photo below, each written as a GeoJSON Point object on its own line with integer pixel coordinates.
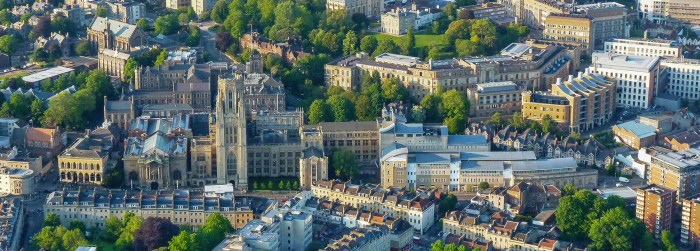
{"type": "Point", "coordinates": [231, 147]}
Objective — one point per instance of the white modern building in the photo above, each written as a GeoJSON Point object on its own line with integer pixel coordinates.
{"type": "Point", "coordinates": [294, 228]}
{"type": "Point", "coordinates": [278, 229]}
{"type": "Point", "coordinates": [256, 235]}
{"type": "Point", "coordinates": [683, 77]}
{"type": "Point", "coordinates": [644, 47]}
{"type": "Point", "coordinates": [16, 181]}
{"type": "Point", "coordinates": [637, 77]}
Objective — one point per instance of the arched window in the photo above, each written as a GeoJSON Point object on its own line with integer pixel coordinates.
{"type": "Point", "coordinates": [133, 176]}
{"type": "Point", "coordinates": [177, 175]}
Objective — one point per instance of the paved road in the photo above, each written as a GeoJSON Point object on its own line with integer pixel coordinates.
{"type": "Point", "coordinates": [35, 205]}
{"type": "Point", "coordinates": [208, 42]}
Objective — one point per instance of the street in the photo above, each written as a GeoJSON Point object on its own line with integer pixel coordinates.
{"type": "Point", "coordinates": [35, 204]}
{"type": "Point", "coordinates": [208, 42]}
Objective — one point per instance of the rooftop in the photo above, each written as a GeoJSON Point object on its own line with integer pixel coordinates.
{"type": "Point", "coordinates": [638, 129]}
{"type": "Point", "coordinates": [49, 73]}
{"type": "Point", "coordinates": [624, 62]}
{"type": "Point", "coordinates": [495, 87]}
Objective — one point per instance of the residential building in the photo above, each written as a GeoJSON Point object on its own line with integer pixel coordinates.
{"type": "Point", "coordinates": [394, 202]}
{"type": "Point", "coordinates": [397, 22]}
{"type": "Point", "coordinates": [371, 8]}
{"type": "Point", "coordinates": [105, 33]}
{"type": "Point", "coordinates": [547, 145]}
{"type": "Point", "coordinates": [637, 78]}
{"type": "Point", "coordinates": [313, 166]}
{"type": "Point", "coordinates": [670, 11]}
{"type": "Point", "coordinates": [420, 78]}
{"type": "Point", "coordinates": [202, 6]}
{"type": "Point", "coordinates": [181, 207]}
{"type": "Point", "coordinates": [294, 228]}
{"type": "Point", "coordinates": [361, 240]}
{"type": "Point", "coordinates": [15, 158]}
{"type": "Point", "coordinates": [55, 41]}
{"type": "Point", "coordinates": [644, 47]}
{"type": "Point", "coordinates": [535, 12]}
{"type": "Point", "coordinates": [690, 229]}
{"type": "Point", "coordinates": [127, 12]}
{"type": "Point", "coordinates": [46, 143]}
{"type": "Point", "coordinates": [113, 62]}
{"type": "Point", "coordinates": [12, 213]}
{"type": "Point", "coordinates": [661, 123]}
{"type": "Point", "coordinates": [289, 51]}
{"type": "Point", "coordinates": [679, 171]}
{"type": "Point", "coordinates": [655, 206]}
{"type": "Point", "coordinates": [490, 98]}
{"type": "Point", "coordinates": [635, 134]}
{"type": "Point", "coordinates": [75, 14]}
{"type": "Point", "coordinates": [155, 152]}
{"type": "Point", "coordinates": [578, 104]}
{"type": "Point", "coordinates": [501, 234]}
{"type": "Point", "coordinates": [86, 161]}
{"type": "Point", "coordinates": [523, 198]}
{"type": "Point", "coordinates": [682, 140]}
{"type": "Point", "coordinates": [177, 4]}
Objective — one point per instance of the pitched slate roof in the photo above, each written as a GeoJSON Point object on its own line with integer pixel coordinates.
{"type": "Point", "coordinates": [118, 28]}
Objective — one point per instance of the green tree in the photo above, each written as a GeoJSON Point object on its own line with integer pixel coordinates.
{"type": "Point", "coordinates": [437, 246]}
{"type": "Point", "coordinates": [143, 24]}
{"type": "Point", "coordinates": [51, 220]}
{"type": "Point", "coordinates": [8, 44]}
{"type": "Point", "coordinates": [113, 228]}
{"type": "Point", "coordinates": [485, 30]}
{"type": "Point", "coordinates": [237, 20]}
{"type": "Point", "coordinates": [37, 109]}
{"type": "Point", "coordinates": [572, 214]}
{"type": "Point", "coordinates": [386, 46]}
{"type": "Point", "coordinates": [548, 124]}
{"type": "Point", "coordinates": [667, 241]}
{"type": "Point", "coordinates": [418, 114]}
{"type": "Point", "coordinates": [610, 169]}
{"type": "Point", "coordinates": [6, 17]}
{"type": "Point", "coordinates": [462, 248]}
{"type": "Point", "coordinates": [459, 29]}
{"type": "Point", "coordinates": [393, 90]}
{"type": "Point", "coordinates": [220, 11]}
{"type": "Point", "coordinates": [496, 119]}
{"type": "Point", "coordinates": [129, 69]}
{"type": "Point", "coordinates": [569, 189]}
{"type": "Point", "coordinates": [518, 121]}
{"type": "Point", "coordinates": [408, 42]}
{"type": "Point", "coordinates": [102, 12]}
{"type": "Point", "coordinates": [344, 164]}
{"type": "Point", "coordinates": [168, 24]}
{"type": "Point", "coordinates": [280, 186]}
{"type": "Point", "coordinates": [350, 43]}
{"type": "Point", "coordinates": [455, 104]}
{"type": "Point", "coordinates": [73, 239]}
{"type": "Point", "coordinates": [363, 108]}
{"type": "Point", "coordinates": [368, 44]}
{"type": "Point", "coordinates": [63, 25]}
{"type": "Point", "coordinates": [76, 224]}
{"type": "Point", "coordinates": [432, 103]}
{"type": "Point", "coordinates": [126, 237]}
{"type": "Point", "coordinates": [271, 185]}
{"type": "Point", "coordinates": [83, 48]}
{"type": "Point", "coordinates": [184, 241]}
{"type": "Point", "coordinates": [295, 185]}
{"type": "Point", "coordinates": [46, 239]}
{"type": "Point", "coordinates": [483, 185]}
{"type": "Point", "coordinates": [451, 12]}
{"type": "Point", "coordinates": [161, 58]}
{"type": "Point", "coordinates": [455, 125]}
{"type": "Point", "coordinates": [319, 112]}
{"type": "Point", "coordinates": [448, 203]}
{"type": "Point", "coordinates": [288, 185]}
{"type": "Point", "coordinates": [194, 37]}
{"type": "Point", "coordinates": [255, 185]}
{"type": "Point", "coordinates": [341, 107]}
{"type": "Point", "coordinates": [25, 17]}
{"type": "Point", "coordinates": [613, 231]}
{"type": "Point", "coordinates": [291, 21]}
{"type": "Point", "coordinates": [451, 247]}
{"type": "Point", "coordinates": [213, 232]}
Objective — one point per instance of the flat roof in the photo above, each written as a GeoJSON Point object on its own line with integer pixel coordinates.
{"type": "Point", "coordinates": [624, 192]}
{"type": "Point", "coordinates": [397, 59]}
{"type": "Point", "coordinates": [49, 73]}
{"type": "Point", "coordinates": [624, 62]}
{"type": "Point", "coordinates": [640, 130]}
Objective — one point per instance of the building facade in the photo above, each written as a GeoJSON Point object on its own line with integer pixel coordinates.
{"type": "Point", "coordinates": [17, 181]}
{"type": "Point", "coordinates": [690, 229]}
{"type": "Point", "coordinates": [105, 33]}
{"type": "Point", "coordinates": [313, 167]}
{"type": "Point", "coordinates": [371, 8]}
{"type": "Point", "coordinates": [176, 83]}
{"type": "Point", "coordinates": [570, 28]}
{"type": "Point", "coordinates": [289, 51]}
{"type": "Point", "coordinates": [113, 62]}
{"type": "Point", "coordinates": [644, 47]}
{"type": "Point", "coordinates": [655, 206]}
{"type": "Point", "coordinates": [637, 78]}
{"type": "Point", "coordinates": [678, 171]}
{"type": "Point", "coordinates": [181, 207]}
{"type": "Point", "coordinates": [231, 140]}
{"type": "Point", "coordinates": [397, 22]}
{"type": "Point", "coordinates": [490, 98]}
{"type": "Point", "coordinates": [580, 103]}
{"type": "Point", "coordinates": [127, 12]}
{"type": "Point", "coordinates": [86, 160]}
{"type": "Point", "coordinates": [670, 11]}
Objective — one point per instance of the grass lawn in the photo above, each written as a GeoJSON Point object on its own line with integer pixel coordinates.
{"type": "Point", "coordinates": [423, 38]}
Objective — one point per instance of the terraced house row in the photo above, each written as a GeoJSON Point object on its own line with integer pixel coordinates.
{"type": "Point", "coordinates": [182, 207]}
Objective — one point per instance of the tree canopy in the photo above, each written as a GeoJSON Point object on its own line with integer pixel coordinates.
{"type": "Point", "coordinates": [344, 164]}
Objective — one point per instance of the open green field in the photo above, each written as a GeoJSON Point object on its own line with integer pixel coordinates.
{"type": "Point", "coordinates": [423, 39]}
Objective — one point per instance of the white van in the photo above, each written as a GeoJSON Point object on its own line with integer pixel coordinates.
{"type": "Point", "coordinates": [624, 180]}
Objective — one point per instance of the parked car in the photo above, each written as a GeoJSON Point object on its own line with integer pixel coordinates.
{"type": "Point", "coordinates": [624, 180]}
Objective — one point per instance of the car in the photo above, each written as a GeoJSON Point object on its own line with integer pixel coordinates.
{"type": "Point", "coordinates": [624, 180]}
{"type": "Point", "coordinates": [619, 184]}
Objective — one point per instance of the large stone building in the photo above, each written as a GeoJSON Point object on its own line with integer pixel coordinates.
{"type": "Point", "coordinates": [231, 140]}
{"type": "Point", "coordinates": [202, 6]}
{"type": "Point", "coordinates": [174, 84]}
{"type": "Point", "coordinates": [113, 62]}
{"type": "Point", "coordinates": [570, 28]}
{"type": "Point", "coordinates": [397, 21]}
{"type": "Point", "coordinates": [690, 229]}
{"type": "Point", "coordinates": [181, 207]}
{"type": "Point", "coordinates": [361, 239]}
{"type": "Point", "coordinates": [313, 166]}
{"type": "Point", "coordinates": [679, 171]}
{"type": "Point", "coordinates": [278, 229]}
{"type": "Point", "coordinates": [490, 98]}
{"type": "Point", "coordinates": [655, 206]}
{"type": "Point", "coordinates": [361, 138]}
{"type": "Point", "coordinates": [119, 113]}
{"type": "Point", "coordinates": [578, 104]}
{"type": "Point", "coordinates": [86, 160]}
{"type": "Point", "coordinates": [608, 20]}
{"type": "Point", "coordinates": [104, 33]}
{"type": "Point", "coordinates": [644, 47]}
{"type": "Point", "coordinates": [370, 8]}
{"type": "Point", "coordinates": [638, 78]}
{"type": "Point", "coordinates": [127, 12]}
{"type": "Point", "coordinates": [155, 152]}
